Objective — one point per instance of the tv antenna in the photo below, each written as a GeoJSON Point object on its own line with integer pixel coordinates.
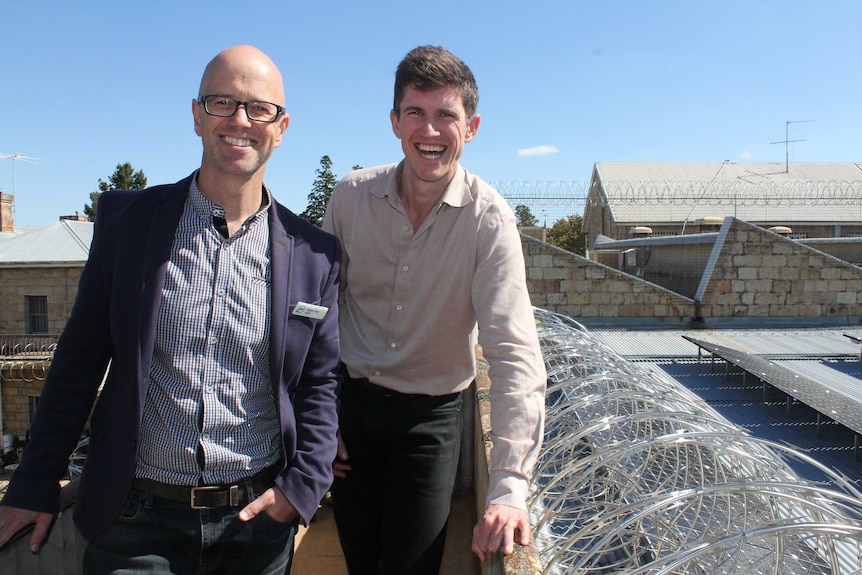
{"type": "Point", "coordinates": [787, 141]}
{"type": "Point", "coordinates": [712, 181]}
{"type": "Point", "coordinates": [15, 158]}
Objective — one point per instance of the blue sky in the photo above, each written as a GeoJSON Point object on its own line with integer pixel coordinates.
{"type": "Point", "coordinates": [563, 84]}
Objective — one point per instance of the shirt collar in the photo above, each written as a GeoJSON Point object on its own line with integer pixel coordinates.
{"type": "Point", "coordinates": [206, 209]}
{"type": "Point", "coordinates": [457, 194]}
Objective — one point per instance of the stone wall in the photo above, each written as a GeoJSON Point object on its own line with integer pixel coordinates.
{"type": "Point", "coordinates": [59, 284]}
{"type": "Point", "coordinates": [19, 382]}
{"type": "Point", "coordinates": [755, 278]}
{"type": "Point", "coordinates": [525, 559]}
{"type": "Point", "coordinates": [761, 274]}
{"type": "Point", "coordinates": [7, 222]}
{"type": "Point", "coordinates": [593, 293]}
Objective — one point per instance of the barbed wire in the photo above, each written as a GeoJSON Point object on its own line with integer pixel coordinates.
{"type": "Point", "coordinates": [550, 201]}
{"type": "Point", "coordinates": [24, 370]}
{"type": "Point", "coordinates": [741, 193]}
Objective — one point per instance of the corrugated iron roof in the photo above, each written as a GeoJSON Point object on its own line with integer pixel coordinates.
{"type": "Point", "coordinates": [755, 192]}
{"type": "Point", "coordinates": [744, 172]}
{"type": "Point", "coordinates": [66, 242]}
{"type": "Point", "coordinates": [801, 359]}
{"type": "Point", "coordinates": [772, 343]}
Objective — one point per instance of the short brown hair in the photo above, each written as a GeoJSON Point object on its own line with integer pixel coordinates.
{"type": "Point", "coordinates": [430, 67]}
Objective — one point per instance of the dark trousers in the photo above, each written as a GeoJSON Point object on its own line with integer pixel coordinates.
{"type": "Point", "coordinates": [156, 535]}
{"type": "Point", "coordinates": [392, 508]}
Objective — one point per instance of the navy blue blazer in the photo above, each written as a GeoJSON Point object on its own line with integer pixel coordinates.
{"type": "Point", "coordinates": [113, 322]}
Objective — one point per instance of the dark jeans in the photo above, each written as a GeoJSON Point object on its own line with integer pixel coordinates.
{"type": "Point", "coordinates": [155, 535]}
{"type": "Point", "coordinates": [392, 509]}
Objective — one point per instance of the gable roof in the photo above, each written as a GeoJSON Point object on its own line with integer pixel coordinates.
{"type": "Point", "coordinates": [755, 192]}
{"type": "Point", "coordinates": [62, 244]}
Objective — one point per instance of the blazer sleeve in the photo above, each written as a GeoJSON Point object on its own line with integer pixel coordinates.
{"type": "Point", "coordinates": [312, 384]}
{"type": "Point", "coordinates": [78, 366]}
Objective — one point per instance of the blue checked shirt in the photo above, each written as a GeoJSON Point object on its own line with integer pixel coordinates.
{"type": "Point", "coordinates": [210, 382]}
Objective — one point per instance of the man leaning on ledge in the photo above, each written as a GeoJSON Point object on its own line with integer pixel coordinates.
{"type": "Point", "coordinates": [432, 262]}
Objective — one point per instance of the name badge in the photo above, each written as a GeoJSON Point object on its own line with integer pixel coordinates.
{"type": "Point", "coordinates": [303, 309]}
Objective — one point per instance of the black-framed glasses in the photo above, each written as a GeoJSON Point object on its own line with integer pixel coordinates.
{"type": "Point", "coordinates": [225, 107]}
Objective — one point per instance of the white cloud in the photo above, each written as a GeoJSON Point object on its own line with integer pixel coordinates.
{"type": "Point", "coordinates": [538, 151]}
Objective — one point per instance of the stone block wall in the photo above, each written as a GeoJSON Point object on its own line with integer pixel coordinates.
{"type": "Point", "coordinates": [19, 382]}
{"type": "Point", "coordinates": [59, 284]}
{"type": "Point", "coordinates": [585, 290]}
{"type": "Point", "coordinates": [762, 274]}
{"type": "Point", "coordinates": [7, 222]}
{"type": "Point", "coordinates": [758, 277]}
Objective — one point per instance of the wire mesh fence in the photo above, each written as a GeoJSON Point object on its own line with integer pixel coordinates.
{"type": "Point", "coordinates": [548, 201]}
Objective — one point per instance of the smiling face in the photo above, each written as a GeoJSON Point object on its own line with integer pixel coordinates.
{"type": "Point", "coordinates": [237, 147]}
{"type": "Point", "coordinates": [433, 128]}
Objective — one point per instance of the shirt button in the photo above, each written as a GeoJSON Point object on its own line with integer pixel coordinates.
{"type": "Point", "coordinates": [405, 228]}
{"type": "Point", "coordinates": [405, 268]}
{"type": "Point", "coordinates": [399, 307]}
{"type": "Point", "coordinates": [375, 373]}
{"type": "Point", "coordinates": [213, 339]}
{"type": "Point", "coordinates": [220, 292]}
{"type": "Point", "coordinates": [393, 345]}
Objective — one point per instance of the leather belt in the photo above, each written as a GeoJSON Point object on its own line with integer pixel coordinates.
{"type": "Point", "coordinates": [380, 391]}
{"type": "Point", "coordinates": [209, 496]}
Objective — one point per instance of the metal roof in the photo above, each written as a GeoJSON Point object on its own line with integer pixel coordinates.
{"type": "Point", "coordinates": [603, 242]}
{"type": "Point", "coordinates": [65, 243]}
{"type": "Point", "coordinates": [772, 343]}
{"type": "Point", "coordinates": [832, 393]}
{"type": "Point", "coordinates": [796, 360]}
{"type": "Point", "coordinates": [755, 192]}
{"type": "Point", "coordinates": [745, 172]}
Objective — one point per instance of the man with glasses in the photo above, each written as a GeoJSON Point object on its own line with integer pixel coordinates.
{"type": "Point", "coordinates": [216, 309]}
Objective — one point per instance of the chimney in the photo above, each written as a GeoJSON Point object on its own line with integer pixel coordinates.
{"type": "Point", "coordinates": [7, 224]}
{"type": "Point", "coordinates": [78, 217]}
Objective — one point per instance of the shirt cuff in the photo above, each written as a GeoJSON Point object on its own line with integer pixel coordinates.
{"type": "Point", "coordinates": [507, 489]}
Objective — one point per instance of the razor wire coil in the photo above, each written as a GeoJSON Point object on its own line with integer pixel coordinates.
{"type": "Point", "coordinates": [638, 476]}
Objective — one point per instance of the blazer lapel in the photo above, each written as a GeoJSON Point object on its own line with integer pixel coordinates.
{"type": "Point", "coordinates": [157, 253]}
{"type": "Point", "coordinates": [281, 262]}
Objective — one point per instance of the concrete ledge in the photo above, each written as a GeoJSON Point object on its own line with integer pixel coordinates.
{"type": "Point", "coordinates": [62, 552]}
{"type": "Point", "coordinates": [525, 559]}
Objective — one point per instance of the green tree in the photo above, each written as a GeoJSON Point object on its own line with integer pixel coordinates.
{"type": "Point", "coordinates": [321, 191]}
{"type": "Point", "coordinates": [567, 234]}
{"type": "Point", "coordinates": [525, 217]}
{"type": "Point", "coordinates": [124, 178]}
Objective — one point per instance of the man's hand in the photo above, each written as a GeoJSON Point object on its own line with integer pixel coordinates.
{"type": "Point", "coordinates": [14, 519]}
{"type": "Point", "coordinates": [340, 467]}
{"type": "Point", "coordinates": [496, 530]}
{"type": "Point", "coordinates": [274, 503]}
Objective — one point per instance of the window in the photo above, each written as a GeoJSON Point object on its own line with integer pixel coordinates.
{"type": "Point", "coordinates": [37, 313]}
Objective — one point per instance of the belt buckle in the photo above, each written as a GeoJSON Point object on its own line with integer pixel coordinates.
{"type": "Point", "coordinates": [233, 495]}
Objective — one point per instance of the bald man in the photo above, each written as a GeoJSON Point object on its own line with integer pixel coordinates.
{"type": "Point", "coordinates": [214, 311]}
